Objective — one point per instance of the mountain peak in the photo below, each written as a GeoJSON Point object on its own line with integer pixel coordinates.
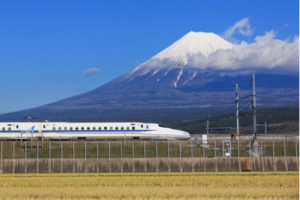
{"type": "Point", "coordinates": [193, 43]}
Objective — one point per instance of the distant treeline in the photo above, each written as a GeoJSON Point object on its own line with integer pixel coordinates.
{"type": "Point", "coordinates": [286, 119]}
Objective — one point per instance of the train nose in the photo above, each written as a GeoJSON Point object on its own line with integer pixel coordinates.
{"type": "Point", "coordinates": [186, 135]}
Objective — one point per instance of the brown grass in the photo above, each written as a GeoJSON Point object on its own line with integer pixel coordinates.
{"type": "Point", "coordinates": [151, 186]}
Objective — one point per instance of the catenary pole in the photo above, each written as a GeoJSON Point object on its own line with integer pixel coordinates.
{"type": "Point", "coordinates": [207, 125]}
{"type": "Point", "coordinates": [255, 144]}
{"type": "Point", "coordinates": [237, 109]}
{"type": "Point", "coordinates": [254, 106]}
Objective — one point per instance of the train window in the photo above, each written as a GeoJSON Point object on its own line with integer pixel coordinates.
{"type": "Point", "coordinates": [9, 128]}
{"type": "Point", "coordinates": [127, 128]}
{"type": "Point", "coordinates": [53, 128]}
{"type": "Point", "coordinates": [94, 128]}
{"type": "Point", "coordinates": [43, 126]}
{"type": "Point", "coordinates": [111, 128]}
{"type": "Point", "coordinates": [76, 128]}
{"type": "Point", "coordinates": [17, 126]}
{"type": "Point", "coordinates": [65, 128]}
{"type": "Point", "coordinates": [59, 128]}
{"type": "Point", "coordinates": [133, 128]}
{"type": "Point", "coordinates": [82, 128]}
{"type": "Point", "coordinates": [3, 129]}
{"type": "Point", "coordinates": [88, 128]}
{"type": "Point", "coordinates": [71, 128]}
{"type": "Point", "coordinates": [147, 127]}
{"type": "Point", "coordinates": [142, 126]}
{"type": "Point", "coordinates": [99, 128]}
{"type": "Point", "coordinates": [117, 128]}
{"type": "Point", "coordinates": [105, 128]}
{"type": "Point", "coordinates": [122, 128]}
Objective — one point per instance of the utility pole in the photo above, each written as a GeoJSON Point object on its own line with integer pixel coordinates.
{"type": "Point", "coordinates": [254, 106]}
{"type": "Point", "coordinates": [207, 124]}
{"type": "Point", "coordinates": [255, 146]}
{"type": "Point", "coordinates": [266, 128]}
{"type": "Point", "coordinates": [237, 109]}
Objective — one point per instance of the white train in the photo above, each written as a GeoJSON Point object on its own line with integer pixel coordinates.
{"type": "Point", "coordinates": [91, 130]}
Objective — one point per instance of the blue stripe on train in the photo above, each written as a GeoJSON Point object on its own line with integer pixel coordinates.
{"type": "Point", "coordinates": [60, 131]}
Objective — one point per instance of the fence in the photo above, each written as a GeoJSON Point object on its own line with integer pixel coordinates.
{"type": "Point", "coordinates": [146, 149]}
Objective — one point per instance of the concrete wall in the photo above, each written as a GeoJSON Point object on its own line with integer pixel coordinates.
{"type": "Point", "coordinates": [148, 165]}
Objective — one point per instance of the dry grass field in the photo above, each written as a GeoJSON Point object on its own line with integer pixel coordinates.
{"type": "Point", "coordinates": [155, 186]}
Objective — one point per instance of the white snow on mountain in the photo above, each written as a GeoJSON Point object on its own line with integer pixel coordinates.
{"type": "Point", "coordinates": [178, 77]}
{"type": "Point", "coordinates": [191, 44]}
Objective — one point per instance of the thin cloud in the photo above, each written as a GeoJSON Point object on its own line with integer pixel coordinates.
{"type": "Point", "coordinates": [91, 71]}
{"type": "Point", "coordinates": [285, 25]}
{"type": "Point", "coordinates": [242, 26]}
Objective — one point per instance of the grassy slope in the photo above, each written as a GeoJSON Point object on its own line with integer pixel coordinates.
{"type": "Point", "coordinates": [287, 115]}
{"type": "Point", "coordinates": [245, 185]}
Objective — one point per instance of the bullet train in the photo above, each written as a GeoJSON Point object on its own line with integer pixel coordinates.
{"type": "Point", "coordinates": [88, 131]}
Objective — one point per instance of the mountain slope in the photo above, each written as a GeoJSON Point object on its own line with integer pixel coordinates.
{"type": "Point", "coordinates": [169, 80]}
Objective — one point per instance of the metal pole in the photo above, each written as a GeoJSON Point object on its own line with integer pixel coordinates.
{"type": "Point", "coordinates": [254, 106]}
{"type": "Point", "coordinates": [296, 149]}
{"type": "Point", "coordinates": [1, 150]}
{"type": "Point", "coordinates": [262, 149]}
{"type": "Point", "coordinates": [250, 147]}
{"type": "Point", "coordinates": [49, 150]}
{"type": "Point", "coordinates": [266, 128]}
{"type": "Point", "coordinates": [156, 150]}
{"type": "Point", "coordinates": [121, 150]}
{"type": "Point", "coordinates": [168, 150]}
{"type": "Point", "coordinates": [239, 148]}
{"type": "Point", "coordinates": [230, 148]}
{"type": "Point", "coordinates": [73, 151]}
{"type": "Point", "coordinates": [180, 148]}
{"type": "Point", "coordinates": [13, 150]}
{"type": "Point", "coordinates": [42, 138]}
{"type": "Point", "coordinates": [144, 149]}
{"type": "Point", "coordinates": [61, 150]}
{"type": "Point", "coordinates": [237, 109]}
{"type": "Point", "coordinates": [97, 151]}
{"type": "Point", "coordinates": [31, 138]}
{"type": "Point", "coordinates": [284, 149]}
{"type": "Point", "coordinates": [207, 125]}
{"type": "Point", "coordinates": [25, 151]}
{"type": "Point", "coordinates": [84, 150]}
{"type": "Point", "coordinates": [273, 150]}
{"type": "Point", "coordinates": [132, 149]}
{"type": "Point", "coordinates": [215, 149]}
{"type": "Point", "coordinates": [192, 150]}
{"type": "Point", "coordinates": [223, 148]}
{"type": "Point", "coordinates": [21, 139]}
{"type": "Point", "coordinates": [109, 150]}
{"type": "Point", "coordinates": [203, 149]}
{"type": "Point", "coordinates": [37, 151]}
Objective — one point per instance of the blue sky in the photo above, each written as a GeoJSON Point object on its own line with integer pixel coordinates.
{"type": "Point", "coordinates": [45, 46]}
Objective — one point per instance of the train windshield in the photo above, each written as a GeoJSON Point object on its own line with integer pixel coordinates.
{"type": "Point", "coordinates": [160, 125]}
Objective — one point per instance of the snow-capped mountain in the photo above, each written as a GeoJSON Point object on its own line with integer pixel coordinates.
{"type": "Point", "coordinates": [191, 44]}
{"type": "Point", "coordinates": [169, 80]}
{"type": "Point", "coordinates": [172, 64]}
